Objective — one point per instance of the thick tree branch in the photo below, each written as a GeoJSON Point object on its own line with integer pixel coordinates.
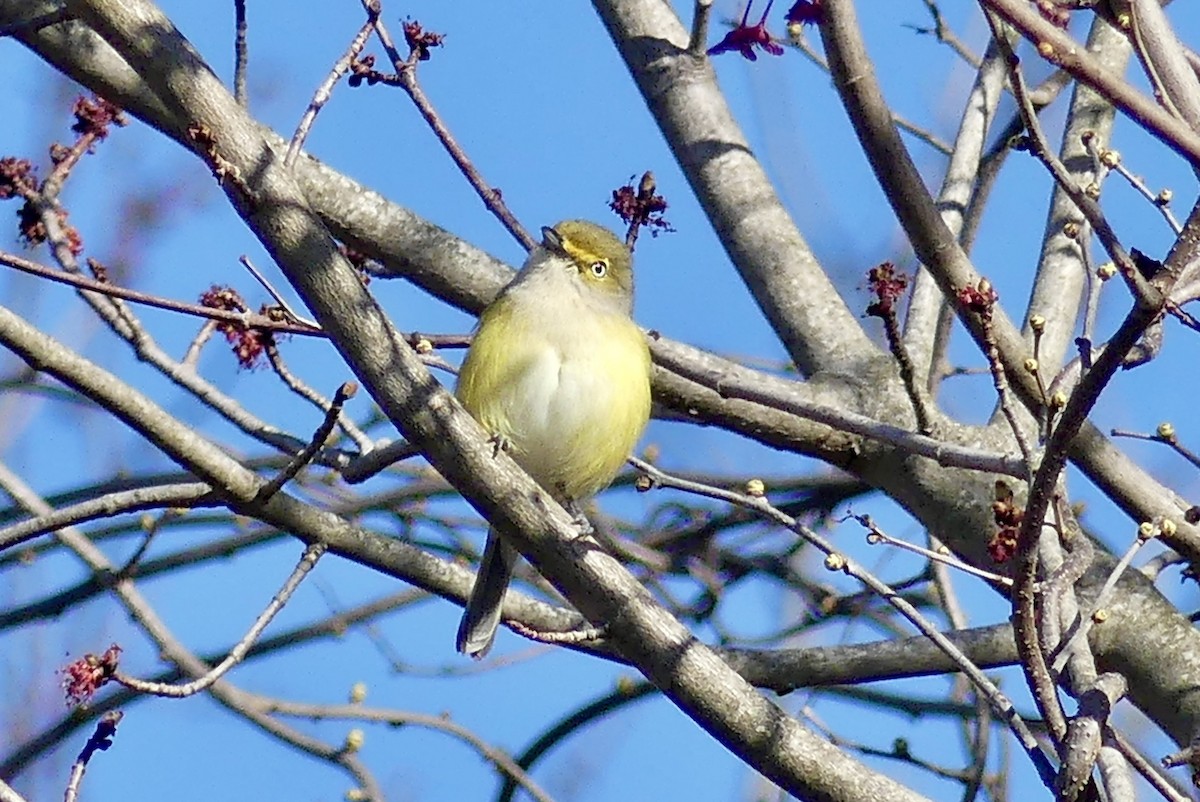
{"type": "Point", "coordinates": [1061, 273]}
{"type": "Point", "coordinates": [680, 90]}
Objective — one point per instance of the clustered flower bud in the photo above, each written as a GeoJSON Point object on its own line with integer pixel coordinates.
{"type": "Point", "coordinates": [888, 286]}
{"type": "Point", "coordinates": [249, 344]}
{"type": "Point", "coordinates": [1008, 516]}
{"type": "Point", "coordinates": [85, 676]}
{"type": "Point", "coordinates": [979, 299]}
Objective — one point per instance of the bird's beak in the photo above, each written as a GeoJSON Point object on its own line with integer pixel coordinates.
{"type": "Point", "coordinates": [551, 240]}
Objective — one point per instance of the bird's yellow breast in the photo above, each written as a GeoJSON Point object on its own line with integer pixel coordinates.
{"type": "Point", "coordinates": [567, 387]}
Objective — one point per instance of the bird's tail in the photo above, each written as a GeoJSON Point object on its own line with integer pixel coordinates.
{"type": "Point", "coordinates": [481, 618]}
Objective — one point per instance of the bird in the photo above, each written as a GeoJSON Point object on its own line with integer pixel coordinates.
{"type": "Point", "coordinates": [558, 374]}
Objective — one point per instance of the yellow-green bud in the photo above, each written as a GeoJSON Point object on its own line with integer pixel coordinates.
{"type": "Point", "coordinates": [1031, 365]}
{"type": "Point", "coordinates": [755, 488]}
{"type": "Point", "coordinates": [1167, 527]}
{"type": "Point", "coordinates": [354, 740]}
{"type": "Point", "coordinates": [835, 562]}
{"type": "Point", "coordinates": [1145, 530]}
{"type": "Point", "coordinates": [358, 692]}
{"type": "Point", "coordinates": [1106, 271]}
{"type": "Point", "coordinates": [1100, 616]}
{"type": "Point", "coordinates": [1037, 323]}
{"type": "Point", "coordinates": [1164, 197]}
{"type": "Point", "coordinates": [1058, 399]}
{"type": "Point", "coordinates": [1110, 158]}
{"type": "Point", "coordinates": [1166, 430]}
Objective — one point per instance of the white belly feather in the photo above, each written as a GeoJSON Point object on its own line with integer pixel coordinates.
{"type": "Point", "coordinates": [573, 393]}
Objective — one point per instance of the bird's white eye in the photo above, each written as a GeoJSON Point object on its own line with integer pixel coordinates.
{"type": "Point", "coordinates": [599, 268]}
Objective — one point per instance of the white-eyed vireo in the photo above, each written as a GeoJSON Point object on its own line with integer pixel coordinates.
{"type": "Point", "coordinates": [560, 375]}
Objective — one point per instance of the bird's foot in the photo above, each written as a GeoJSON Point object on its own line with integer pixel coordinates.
{"type": "Point", "coordinates": [499, 443]}
{"type": "Point", "coordinates": [579, 519]}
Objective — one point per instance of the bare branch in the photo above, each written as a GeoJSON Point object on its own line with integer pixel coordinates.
{"type": "Point", "coordinates": [174, 495]}
{"type": "Point", "coordinates": [100, 741]}
{"type": "Point", "coordinates": [240, 54]}
{"type": "Point", "coordinates": [325, 90]}
{"type": "Point", "coordinates": [307, 561]}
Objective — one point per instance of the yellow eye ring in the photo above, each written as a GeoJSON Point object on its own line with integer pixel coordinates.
{"type": "Point", "coordinates": [599, 268]}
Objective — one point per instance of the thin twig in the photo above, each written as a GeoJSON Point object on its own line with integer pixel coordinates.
{"type": "Point", "coordinates": [1041, 491]}
{"type": "Point", "coordinates": [294, 466]}
{"type": "Point", "coordinates": [1146, 532]}
{"type": "Point", "coordinates": [700, 17]}
{"type": "Point", "coordinates": [439, 723]}
{"type": "Point", "coordinates": [1144, 767]}
{"type": "Point", "coordinates": [1164, 434]}
{"type": "Point", "coordinates": [189, 494]}
{"type": "Point", "coordinates": [240, 55]}
{"type": "Point", "coordinates": [191, 357]}
{"type": "Point", "coordinates": [946, 35]}
{"type": "Point", "coordinates": [279, 299]}
{"type": "Point", "coordinates": [876, 535]}
{"type": "Point", "coordinates": [293, 383]}
{"type": "Point", "coordinates": [331, 627]}
{"type": "Point", "coordinates": [63, 167]}
{"type": "Point", "coordinates": [1037, 324]}
{"type": "Point", "coordinates": [325, 90]}
{"type": "Point", "coordinates": [369, 464]}
{"type": "Point", "coordinates": [120, 319]}
{"type": "Point", "coordinates": [100, 741]}
{"type": "Point", "coordinates": [406, 79]}
{"type": "Point", "coordinates": [244, 319]}
{"type": "Point", "coordinates": [976, 734]}
{"type": "Point", "coordinates": [1109, 159]}
{"type": "Point", "coordinates": [1096, 282]}
{"type": "Point", "coordinates": [887, 285]}
{"type": "Point", "coordinates": [307, 561]}
{"type": "Point", "coordinates": [1000, 383]}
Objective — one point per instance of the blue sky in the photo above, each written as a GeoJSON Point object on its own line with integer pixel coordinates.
{"type": "Point", "coordinates": [540, 100]}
